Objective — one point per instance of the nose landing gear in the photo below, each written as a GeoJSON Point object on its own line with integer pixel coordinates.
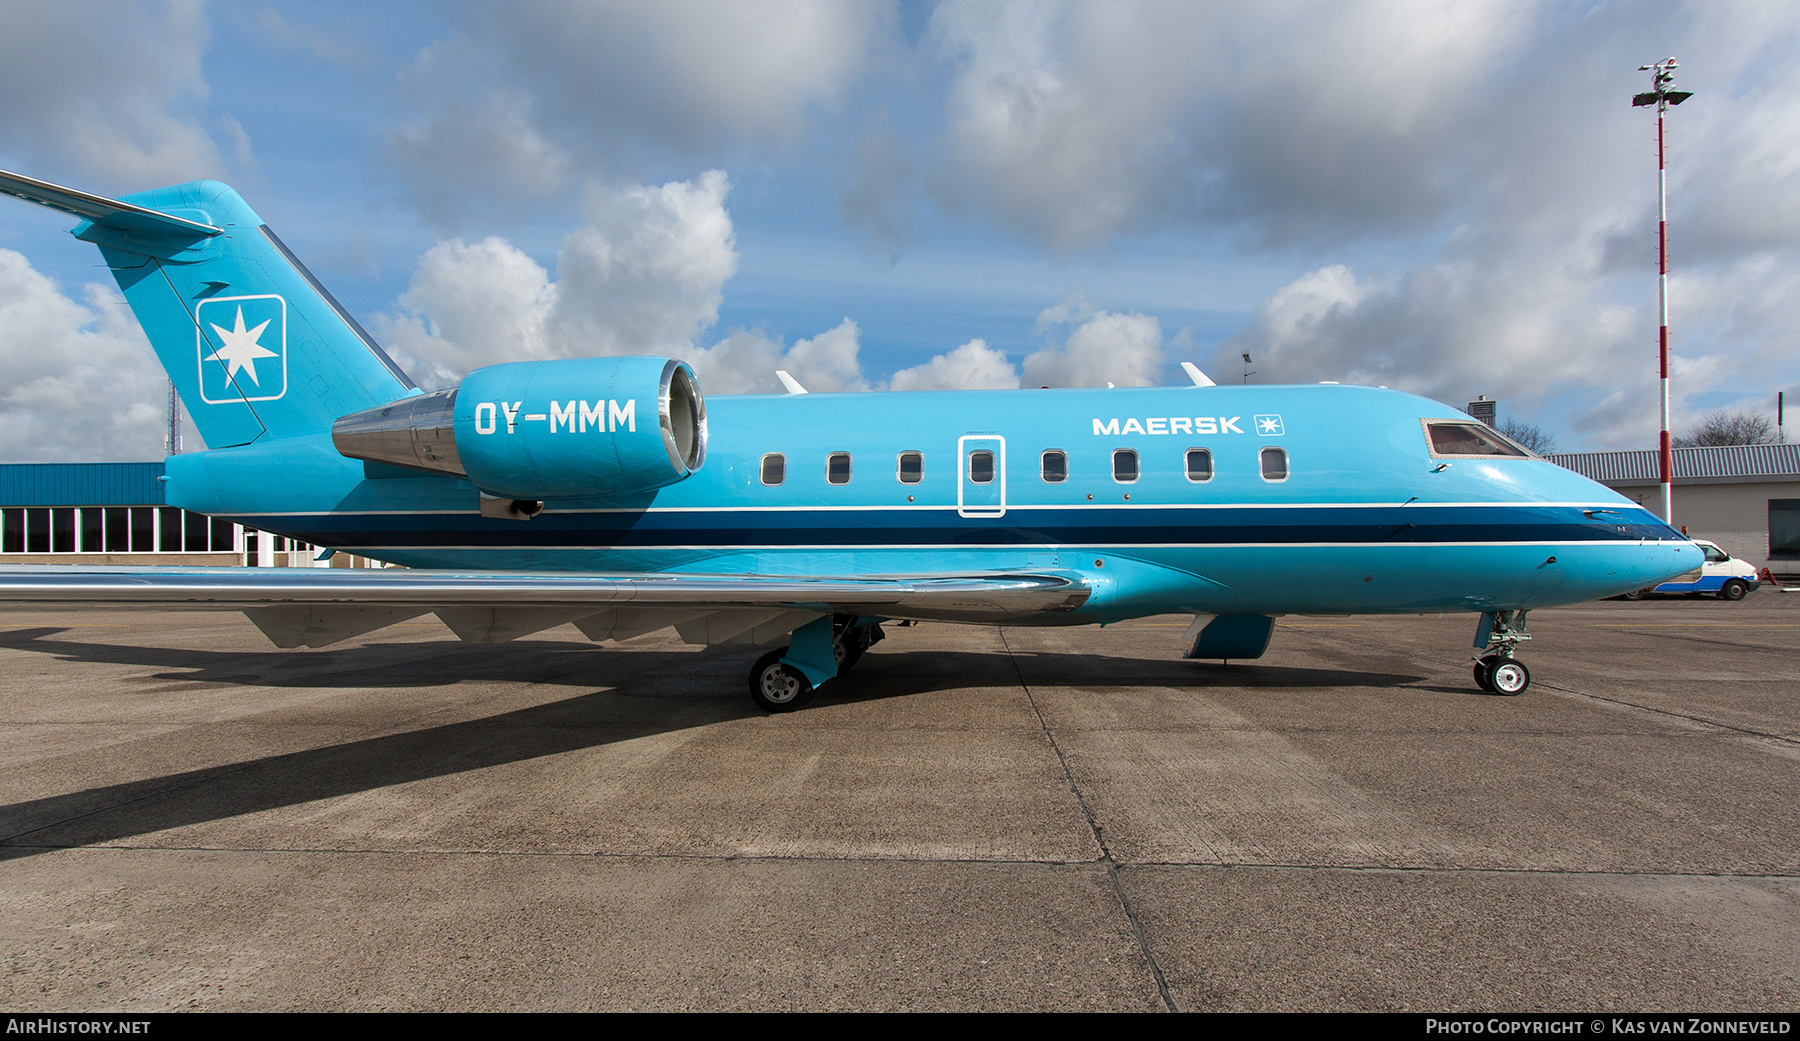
{"type": "Point", "coordinates": [1498, 636]}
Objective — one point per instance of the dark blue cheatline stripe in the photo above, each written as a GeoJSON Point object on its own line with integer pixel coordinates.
{"type": "Point", "coordinates": [872, 529]}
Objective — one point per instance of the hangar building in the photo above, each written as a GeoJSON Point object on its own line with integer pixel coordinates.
{"type": "Point", "coordinates": [115, 513]}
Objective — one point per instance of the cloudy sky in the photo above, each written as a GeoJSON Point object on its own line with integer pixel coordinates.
{"type": "Point", "coordinates": [1451, 198]}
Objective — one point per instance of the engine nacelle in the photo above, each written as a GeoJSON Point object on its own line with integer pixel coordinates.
{"type": "Point", "coordinates": [535, 430]}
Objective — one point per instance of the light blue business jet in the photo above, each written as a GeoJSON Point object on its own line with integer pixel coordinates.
{"type": "Point", "coordinates": [608, 492]}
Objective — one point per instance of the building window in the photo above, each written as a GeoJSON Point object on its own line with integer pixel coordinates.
{"type": "Point", "coordinates": [1784, 527]}
{"type": "Point", "coordinates": [1274, 464]}
{"type": "Point", "coordinates": [837, 468]}
{"type": "Point", "coordinates": [774, 469]}
{"type": "Point", "coordinates": [911, 469]}
{"type": "Point", "coordinates": [143, 529]}
{"type": "Point", "coordinates": [1054, 466]}
{"type": "Point", "coordinates": [1125, 465]}
{"type": "Point", "coordinates": [1199, 465]}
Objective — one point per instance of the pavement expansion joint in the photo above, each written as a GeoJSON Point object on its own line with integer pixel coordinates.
{"type": "Point", "coordinates": [1114, 869]}
{"type": "Point", "coordinates": [1653, 710]}
{"type": "Point", "coordinates": [1112, 865]}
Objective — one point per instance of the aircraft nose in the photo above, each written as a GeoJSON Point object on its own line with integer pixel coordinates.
{"type": "Point", "coordinates": [1664, 561]}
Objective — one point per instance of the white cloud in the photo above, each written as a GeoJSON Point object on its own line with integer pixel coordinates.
{"type": "Point", "coordinates": [81, 381]}
{"type": "Point", "coordinates": [1122, 349]}
{"type": "Point", "coordinates": [643, 274]}
{"type": "Point", "coordinates": [469, 306]}
{"type": "Point", "coordinates": [106, 93]}
{"type": "Point", "coordinates": [1071, 309]}
{"type": "Point", "coordinates": [828, 362]}
{"type": "Point", "coordinates": [524, 90]}
{"type": "Point", "coordinates": [1073, 122]}
{"type": "Point", "coordinates": [484, 147]}
{"type": "Point", "coordinates": [745, 362]}
{"type": "Point", "coordinates": [973, 366]}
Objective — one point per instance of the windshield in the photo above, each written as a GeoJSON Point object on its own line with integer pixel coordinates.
{"type": "Point", "coordinates": [1449, 437]}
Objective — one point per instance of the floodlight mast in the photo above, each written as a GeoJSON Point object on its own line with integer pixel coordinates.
{"type": "Point", "coordinates": [1662, 95]}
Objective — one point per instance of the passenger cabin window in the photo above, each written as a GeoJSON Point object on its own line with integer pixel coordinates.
{"type": "Point", "coordinates": [1125, 465]}
{"type": "Point", "coordinates": [1469, 439]}
{"type": "Point", "coordinates": [1274, 464]}
{"type": "Point", "coordinates": [1199, 465]}
{"type": "Point", "coordinates": [837, 468]}
{"type": "Point", "coordinates": [1054, 466]}
{"type": "Point", "coordinates": [774, 469]}
{"type": "Point", "coordinates": [911, 468]}
{"type": "Point", "coordinates": [981, 467]}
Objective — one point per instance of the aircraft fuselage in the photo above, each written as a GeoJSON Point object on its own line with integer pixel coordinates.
{"type": "Point", "coordinates": [1354, 515]}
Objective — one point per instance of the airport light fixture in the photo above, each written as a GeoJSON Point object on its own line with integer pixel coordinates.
{"type": "Point", "coordinates": [1662, 94]}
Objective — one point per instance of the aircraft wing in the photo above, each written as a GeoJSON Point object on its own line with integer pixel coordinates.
{"type": "Point", "coordinates": [318, 606]}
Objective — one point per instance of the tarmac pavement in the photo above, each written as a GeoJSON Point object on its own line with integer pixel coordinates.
{"type": "Point", "coordinates": [975, 818]}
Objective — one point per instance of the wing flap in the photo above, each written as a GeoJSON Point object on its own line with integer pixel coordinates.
{"type": "Point", "coordinates": [309, 625]}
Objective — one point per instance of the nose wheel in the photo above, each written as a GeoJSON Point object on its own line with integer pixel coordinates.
{"type": "Point", "coordinates": [1496, 670]}
{"type": "Point", "coordinates": [1498, 675]}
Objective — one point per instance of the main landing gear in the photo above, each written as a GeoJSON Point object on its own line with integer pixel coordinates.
{"type": "Point", "coordinates": [1498, 636]}
{"type": "Point", "coordinates": [778, 685]}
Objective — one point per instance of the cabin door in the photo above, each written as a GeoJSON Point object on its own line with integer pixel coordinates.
{"type": "Point", "coordinates": [981, 483]}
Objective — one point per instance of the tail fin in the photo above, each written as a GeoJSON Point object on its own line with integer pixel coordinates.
{"type": "Point", "coordinates": [255, 345]}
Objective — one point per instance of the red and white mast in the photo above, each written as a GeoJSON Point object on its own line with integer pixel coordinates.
{"type": "Point", "coordinates": [1662, 79]}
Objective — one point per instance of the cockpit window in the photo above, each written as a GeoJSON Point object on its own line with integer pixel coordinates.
{"type": "Point", "coordinates": [1449, 437]}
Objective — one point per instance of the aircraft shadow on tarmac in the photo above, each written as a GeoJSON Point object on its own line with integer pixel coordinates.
{"type": "Point", "coordinates": [619, 711]}
{"type": "Point", "coordinates": [433, 663]}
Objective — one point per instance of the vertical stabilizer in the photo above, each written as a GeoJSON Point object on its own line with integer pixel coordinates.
{"type": "Point", "coordinates": [254, 344]}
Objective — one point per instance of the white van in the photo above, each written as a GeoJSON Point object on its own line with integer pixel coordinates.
{"type": "Point", "coordinates": [1723, 575]}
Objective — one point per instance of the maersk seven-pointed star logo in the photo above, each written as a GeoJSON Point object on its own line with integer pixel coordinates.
{"type": "Point", "coordinates": [242, 348]}
{"type": "Point", "coordinates": [1268, 426]}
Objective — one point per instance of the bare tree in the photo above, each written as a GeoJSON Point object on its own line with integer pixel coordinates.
{"type": "Point", "coordinates": [1530, 435]}
{"type": "Point", "coordinates": [1730, 428]}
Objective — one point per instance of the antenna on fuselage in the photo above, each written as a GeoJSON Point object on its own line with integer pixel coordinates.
{"type": "Point", "coordinates": [1200, 379]}
{"type": "Point", "coordinates": [793, 385]}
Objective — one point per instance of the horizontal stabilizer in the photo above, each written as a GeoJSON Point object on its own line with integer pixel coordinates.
{"type": "Point", "coordinates": [107, 213]}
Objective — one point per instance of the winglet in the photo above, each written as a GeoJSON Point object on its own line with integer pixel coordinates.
{"type": "Point", "coordinates": [1196, 375]}
{"type": "Point", "coordinates": [793, 385]}
{"type": "Point", "coordinates": [108, 213]}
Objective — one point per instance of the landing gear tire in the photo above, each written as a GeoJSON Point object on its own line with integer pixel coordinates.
{"type": "Point", "coordinates": [849, 650]}
{"type": "Point", "coordinates": [776, 687]}
{"type": "Point", "coordinates": [1637, 594]}
{"type": "Point", "coordinates": [1482, 668]}
{"type": "Point", "coordinates": [1736, 589]}
{"type": "Point", "coordinates": [1507, 677]}
{"type": "Point", "coordinates": [851, 640]}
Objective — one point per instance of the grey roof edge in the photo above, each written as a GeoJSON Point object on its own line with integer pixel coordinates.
{"type": "Point", "coordinates": [1740, 462]}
